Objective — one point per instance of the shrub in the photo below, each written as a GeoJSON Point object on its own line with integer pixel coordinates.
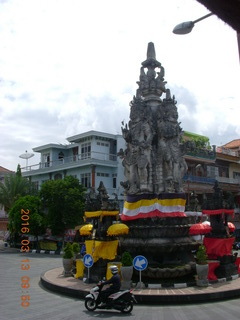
{"type": "Point", "coordinates": [68, 251]}
{"type": "Point", "coordinates": [76, 247]}
{"type": "Point", "coordinates": [127, 259]}
{"type": "Point", "coordinates": [201, 255]}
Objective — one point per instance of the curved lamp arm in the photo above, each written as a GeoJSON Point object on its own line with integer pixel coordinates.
{"type": "Point", "coordinates": [186, 27]}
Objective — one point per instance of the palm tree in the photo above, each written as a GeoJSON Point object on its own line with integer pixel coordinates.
{"type": "Point", "coordinates": [14, 186]}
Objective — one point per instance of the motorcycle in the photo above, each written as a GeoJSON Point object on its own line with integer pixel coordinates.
{"type": "Point", "coordinates": [121, 300]}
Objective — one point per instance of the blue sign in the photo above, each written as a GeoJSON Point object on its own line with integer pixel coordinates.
{"type": "Point", "coordinates": [88, 260]}
{"type": "Point", "coordinates": [140, 263]}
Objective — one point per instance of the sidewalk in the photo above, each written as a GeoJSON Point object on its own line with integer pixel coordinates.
{"type": "Point", "coordinates": [4, 248]}
{"type": "Point", "coordinates": [8, 249]}
{"type": "Point", "coordinates": [222, 290]}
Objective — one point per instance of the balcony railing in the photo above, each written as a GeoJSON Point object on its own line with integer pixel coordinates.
{"type": "Point", "coordinates": [202, 153]}
{"type": "Point", "coordinates": [191, 178]}
{"type": "Point", "coordinates": [228, 151]}
{"type": "Point", "coordinates": [228, 180]}
{"type": "Point", "coordinates": [71, 160]}
{"type": "Point", "coordinates": [209, 180]}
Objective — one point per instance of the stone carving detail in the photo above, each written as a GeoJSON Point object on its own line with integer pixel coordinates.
{"type": "Point", "coordinates": [153, 159]}
{"type": "Point", "coordinates": [100, 201]}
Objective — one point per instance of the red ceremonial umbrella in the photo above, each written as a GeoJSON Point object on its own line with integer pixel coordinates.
{"type": "Point", "coordinates": [199, 228]}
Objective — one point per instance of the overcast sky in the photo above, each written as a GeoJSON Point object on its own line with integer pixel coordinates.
{"type": "Point", "coordinates": [69, 66]}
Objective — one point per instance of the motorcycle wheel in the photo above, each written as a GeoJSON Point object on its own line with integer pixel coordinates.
{"type": "Point", "coordinates": [127, 307]}
{"type": "Point", "coordinates": [90, 304]}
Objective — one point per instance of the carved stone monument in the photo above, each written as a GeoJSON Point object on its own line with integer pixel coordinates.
{"type": "Point", "coordinates": [154, 167]}
{"type": "Point", "coordinates": [153, 159]}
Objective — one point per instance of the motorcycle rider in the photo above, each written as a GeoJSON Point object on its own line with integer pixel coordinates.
{"type": "Point", "coordinates": [115, 284]}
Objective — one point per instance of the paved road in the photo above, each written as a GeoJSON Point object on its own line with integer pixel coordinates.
{"type": "Point", "coordinates": [51, 306]}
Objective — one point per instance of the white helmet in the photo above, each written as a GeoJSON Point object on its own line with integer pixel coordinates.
{"type": "Point", "coordinates": [114, 269]}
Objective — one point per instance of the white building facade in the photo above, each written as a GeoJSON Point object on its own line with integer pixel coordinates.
{"type": "Point", "coordinates": [90, 157]}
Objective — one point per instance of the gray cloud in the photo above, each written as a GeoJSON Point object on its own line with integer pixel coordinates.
{"type": "Point", "coordinates": [69, 79]}
{"type": "Point", "coordinates": [185, 97]}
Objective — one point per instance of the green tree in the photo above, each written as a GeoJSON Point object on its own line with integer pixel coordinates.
{"type": "Point", "coordinates": [14, 186]}
{"type": "Point", "coordinates": [201, 142]}
{"type": "Point", "coordinates": [28, 206]}
{"type": "Point", "coordinates": [64, 203]}
{"type": "Point", "coordinates": [19, 171]}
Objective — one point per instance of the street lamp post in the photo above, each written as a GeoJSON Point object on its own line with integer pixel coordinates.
{"type": "Point", "coordinates": [187, 26]}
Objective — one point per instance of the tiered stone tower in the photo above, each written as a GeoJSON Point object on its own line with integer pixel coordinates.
{"type": "Point", "coordinates": [154, 167]}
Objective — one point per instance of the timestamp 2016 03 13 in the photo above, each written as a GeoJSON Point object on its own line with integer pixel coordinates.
{"type": "Point", "coordinates": [25, 263]}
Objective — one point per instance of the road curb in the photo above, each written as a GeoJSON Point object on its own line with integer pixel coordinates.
{"type": "Point", "coordinates": [177, 294]}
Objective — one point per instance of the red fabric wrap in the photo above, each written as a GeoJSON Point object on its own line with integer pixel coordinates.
{"type": "Point", "coordinates": [212, 265]}
{"type": "Point", "coordinates": [218, 211]}
{"type": "Point", "coordinates": [217, 247]}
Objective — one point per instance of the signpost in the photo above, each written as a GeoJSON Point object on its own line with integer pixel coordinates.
{"type": "Point", "coordinates": [88, 263]}
{"type": "Point", "coordinates": [140, 263]}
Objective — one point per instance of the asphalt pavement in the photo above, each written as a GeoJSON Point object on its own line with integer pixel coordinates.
{"type": "Point", "coordinates": [24, 296]}
{"type": "Point", "coordinates": [17, 270]}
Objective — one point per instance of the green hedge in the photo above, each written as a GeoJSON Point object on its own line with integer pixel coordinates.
{"type": "Point", "coordinates": [48, 245]}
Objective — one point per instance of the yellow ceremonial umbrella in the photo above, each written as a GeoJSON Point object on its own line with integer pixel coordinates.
{"type": "Point", "coordinates": [117, 229]}
{"type": "Point", "coordinates": [86, 230]}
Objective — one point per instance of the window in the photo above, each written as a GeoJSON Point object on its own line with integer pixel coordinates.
{"type": "Point", "coordinates": [236, 175]}
{"type": "Point", "coordinates": [114, 182]}
{"type": "Point", "coordinates": [114, 176]}
{"type": "Point", "coordinates": [46, 159]}
{"type": "Point", "coordinates": [212, 172]}
{"type": "Point", "coordinates": [36, 185]}
{"type": "Point", "coordinates": [61, 155]}
{"type": "Point", "coordinates": [58, 176]}
{"type": "Point", "coordinates": [102, 174]}
{"type": "Point", "coordinates": [86, 150]}
{"type": "Point", "coordinates": [223, 171]}
{"type": "Point", "coordinates": [102, 144]}
{"type": "Point", "coordinates": [75, 153]}
{"type": "Point", "coordinates": [86, 180]}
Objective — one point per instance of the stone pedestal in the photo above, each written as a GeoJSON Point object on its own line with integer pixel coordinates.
{"type": "Point", "coordinates": [126, 273]}
{"type": "Point", "coordinates": [202, 283]}
{"type": "Point", "coordinates": [126, 285]}
{"type": "Point", "coordinates": [227, 267]}
{"type": "Point", "coordinates": [202, 275]}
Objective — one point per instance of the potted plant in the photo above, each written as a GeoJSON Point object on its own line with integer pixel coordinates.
{"type": "Point", "coordinates": [76, 249]}
{"type": "Point", "coordinates": [126, 259]}
{"type": "Point", "coordinates": [68, 255]}
{"type": "Point", "coordinates": [126, 270]}
{"type": "Point", "coordinates": [76, 255]}
{"type": "Point", "coordinates": [202, 266]}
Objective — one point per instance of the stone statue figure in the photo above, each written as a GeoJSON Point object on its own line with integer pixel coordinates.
{"type": "Point", "coordinates": [171, 166]}
{"type": "Point", "coordinates": [103, 196]}
{"type": "Point", "coordinates": [137, 160]}
{"type": "Point", "coordinates": [153, 160]}
{"type": "Point", "coordinates": [160, 83]}
{"type": "Point", "coordinates": [130, 169]}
